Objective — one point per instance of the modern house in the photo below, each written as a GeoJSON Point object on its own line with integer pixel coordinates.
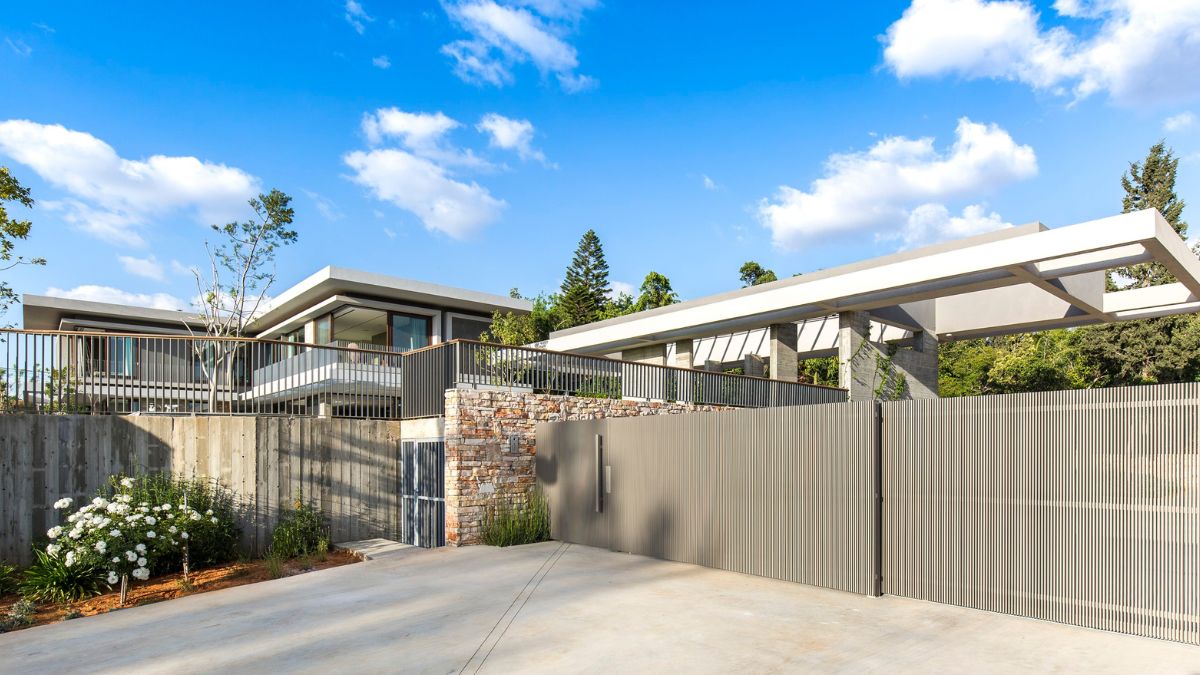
{"type": "Point", "coordinates": [347, 326]}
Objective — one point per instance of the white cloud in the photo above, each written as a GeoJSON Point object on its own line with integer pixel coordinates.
{"type": "Point", "coordinates": [325, 206]}
{"type": "Point", "coordinates": [930, 223]}
{"type": "Point", "coordinates": [382, 62]}
{"type": "Point", "coordinates": [1179, 122]}
{"type": "Point", "coordinates": [93, 293]}
{"type": "Point", "coordinates": [510, 134]}
{"type": "Point", "coordinates": [181, 269]}
{"type": "Point", "coordinates": [389, 233]}
{"type": "Point", "coordinates": [149, 267]}
{"type": "Point", "coordinates": [503, 34]}
{"type": "Point", "coordinates": [19, 47]}
{"type": "Point", "coordinates": [422, 133]}
{"type": "Point", "coordinates": [616, 288]}
{"type": "Point", "coordinates": [425, 189]}
{"type": "Point", "coordinates": [1136, 51]}
{"type": "Point", "coordinates": [876, 189]}
{"type": "Point", "coordinates": [357, 17]}
{"type": "Point", "coordinates": [113, 198]}
{"type": "Point", "coordinates": [709, 184]}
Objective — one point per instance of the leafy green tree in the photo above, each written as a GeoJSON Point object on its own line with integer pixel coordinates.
{"type": "Point", "coordinates": [821, 370]}
{"type": "Point", "coordinates": [585, 288]}
{"type": "Point", "coordinates": [753, 274]}
{"type": "Point", "coordinates": [11, 230]}
{"type": "Point", "coordinates": [511, 328]}
{"type": "Point", "coordinates": [655, 292]}
{"type": "Point", "coordinates": [1150, 184]}
{"type": "Point", "coordinates": [241, 271]}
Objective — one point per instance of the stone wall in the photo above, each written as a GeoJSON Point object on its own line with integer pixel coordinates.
{"type": "Point", "coordinates": [490, 445]}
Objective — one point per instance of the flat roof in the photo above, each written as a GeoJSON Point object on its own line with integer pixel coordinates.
{"type": "Point", "coordinates": [42, 312]}
{"type": "Point", "coordinates": [332, 280]}
{"type": "Point", "coordinates": [46, 312]}
{"type": "Point", "coordinates": [1027, 277]}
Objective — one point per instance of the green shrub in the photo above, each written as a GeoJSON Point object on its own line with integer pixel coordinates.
{"type": "Point", "coordinates": [521, 522]}
{"type": "Point", "coordinates": [19, 615]}
{"type": "Point", "coordinates": [274, 565]}
{"type": "Point", "coordinates": [299, 532]}
{"type": "Point", "coordinates": [209, 543]}
{"type": "Point", "coordinates": [50, 578]}
{"type": "Point", "coordinates": [9, 578]}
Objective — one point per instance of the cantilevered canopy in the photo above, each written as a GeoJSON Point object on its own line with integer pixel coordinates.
{"type": "Point", "coordinates": [1018, 279]}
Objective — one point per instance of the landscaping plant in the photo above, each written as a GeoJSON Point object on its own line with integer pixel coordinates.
{"type": "Point", "coordinates": [300, 531]}
{"type": "Point", "coordinates": [518, 522]}
{"type": "Point", "coordinates": [113, 539]}
{"type": "Point", "coordinates": [50, 578]}
{"type": "Point", "coordinates": [19, 615]}
{"type": "Point", "coordinates": [9, 578]}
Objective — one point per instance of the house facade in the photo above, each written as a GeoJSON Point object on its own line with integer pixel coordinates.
{"type": "Point", "coordinates": [332, 337]}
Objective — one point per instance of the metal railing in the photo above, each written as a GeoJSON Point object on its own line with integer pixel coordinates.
{"type": "Point", "coordinates": [103, 373]}
{"type": "Point", "coordinates": [78, 372]}
{"type": "Point", "coordinates": [467, 363]}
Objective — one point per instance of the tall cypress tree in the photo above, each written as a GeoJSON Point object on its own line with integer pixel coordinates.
{"type": "Point", "coordinates": [585, 288]}
{"type": "Point", "coordinates": [1150, 184]}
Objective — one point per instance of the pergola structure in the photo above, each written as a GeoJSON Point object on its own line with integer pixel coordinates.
{"type": "Point", "coordinates": [897, 308]}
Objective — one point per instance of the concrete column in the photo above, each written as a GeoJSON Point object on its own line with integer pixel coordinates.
{"type": "Point", "coordinates": [655, 355]}
{"type": "Point", "coordinates": [869, 370]}
{"type": "Point", "coordinates": [683, 354]}
{"type": "Point", "coordinates": [752, 365]}
{"type": "Point", "coordinates": [784, 365]}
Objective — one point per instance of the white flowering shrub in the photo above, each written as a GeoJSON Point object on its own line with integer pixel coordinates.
{"type": "Point", "coordinates": [121, 538]}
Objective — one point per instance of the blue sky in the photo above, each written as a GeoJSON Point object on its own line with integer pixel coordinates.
{"type": "Point", "coordinates": [471, 143]}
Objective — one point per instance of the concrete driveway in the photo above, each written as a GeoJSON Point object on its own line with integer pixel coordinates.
{"type": "Point", "coordinates": [560, 608]}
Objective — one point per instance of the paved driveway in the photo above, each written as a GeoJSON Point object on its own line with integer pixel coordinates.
{"type": "Point", "coordinates": [560, 608]}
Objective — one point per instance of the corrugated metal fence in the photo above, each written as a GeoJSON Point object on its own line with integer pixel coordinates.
{"type": "Point", "coordinates": [1081, 507]}
{"type": "Point", "coordinates": [788, 493]}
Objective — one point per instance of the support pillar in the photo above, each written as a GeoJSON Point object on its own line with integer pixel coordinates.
{"type": "Point", "coordinates": [784, 364]}
{"type": "Point", "coordinates": [869, 370]}
{"type": "Point", "coordinates": [655, 355]}
{"type": "Point", "coordinates": [683, 354]}
{"type": "Point", "coordinates": [752, 365]}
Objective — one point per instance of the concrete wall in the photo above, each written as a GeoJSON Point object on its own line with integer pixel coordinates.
{"type": "Point", "coordinates": [347, 467]}
{"type": "Point", "coordinates": [490, 445]}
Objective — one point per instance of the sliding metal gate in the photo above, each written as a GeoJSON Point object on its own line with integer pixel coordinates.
{"type": "Point", "coordinates": [789, 493]}
{"type": "Point", "coordinates": [422, 493]}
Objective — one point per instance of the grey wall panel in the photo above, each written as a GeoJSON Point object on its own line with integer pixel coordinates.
{"type": "Point", "coordinates": [1081, 507]}
{"type": "Point", "coordinates": [787, 493]}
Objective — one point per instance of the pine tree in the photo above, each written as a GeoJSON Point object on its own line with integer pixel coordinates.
{"type": "Point", "coordinates": [1146, 351]}
{"type": "Point", "coordinates": [1151, 185]}
{"type": "Point", "coordinates": [585, 289]}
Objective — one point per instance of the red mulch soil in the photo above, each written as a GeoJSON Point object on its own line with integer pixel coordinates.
{"type": "Point", "coordinates": [168, 586]}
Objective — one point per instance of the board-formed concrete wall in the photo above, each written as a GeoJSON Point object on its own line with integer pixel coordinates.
{"type": "Point", "coordinates": [349, 468]}
{"type": "Point", "coordinates": [490, 445]}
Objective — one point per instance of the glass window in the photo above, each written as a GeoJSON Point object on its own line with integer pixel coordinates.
{"type": "Point", "coordinates": [468, 329]}
{"type": "Point", "coordinates": [324, 333]}
{"type": "Point", "coordinates": [120, 356]}
{"type": "Point", "coordinates": [410, 332]}
{"type": "Point", "coordinates": [294, 336]}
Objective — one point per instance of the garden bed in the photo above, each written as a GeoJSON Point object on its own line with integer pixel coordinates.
{"type": "Point", "coordinates": [169, 586]}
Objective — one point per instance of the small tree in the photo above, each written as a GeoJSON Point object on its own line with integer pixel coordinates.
{"type": "Point", "coordinates": [242, 270]}
{"type": "Point", "coordinates": [11, 190]}
{"type": "Point", "coordinates": [1150, 184]}
{"type": "Point", "coordinates": [753, 274]}
{"type": "Point", "coordinates": [655, 292]}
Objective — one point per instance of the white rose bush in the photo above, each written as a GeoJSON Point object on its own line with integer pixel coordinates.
{"type": "Point", "coordinates": [119, 538]}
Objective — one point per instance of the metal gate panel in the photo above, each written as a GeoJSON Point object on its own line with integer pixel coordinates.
{"type": "Point", "coordinates": [422, 493]}
{"type": "Point", "coordinates": [1081, 507]}
{"type": "Point", "coordinates": [787, 493]}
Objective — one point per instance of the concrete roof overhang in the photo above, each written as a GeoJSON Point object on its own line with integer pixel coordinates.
{"type": "Point", "coordinates": [1022, 278]}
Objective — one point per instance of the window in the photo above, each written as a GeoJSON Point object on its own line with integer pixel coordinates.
{"type": "Point", "coordinates": [468, 328]}
{"type": "Point", "coordinates": [410, 332]}
{"type": "Point", "coordinates": [294, 336]}
{"type": "Point", "coordinates": [113, 356]}
{"type": "Point", "coordinates": [324, 332]}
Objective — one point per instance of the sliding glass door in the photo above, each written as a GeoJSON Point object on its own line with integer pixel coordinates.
{"type": "Point", "coordinates": [410, 331]}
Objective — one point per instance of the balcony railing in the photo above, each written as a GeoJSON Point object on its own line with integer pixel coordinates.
{"type": "Point", "coordinates": [63, 371]}
{"type": "Point", "coordinates": [466, 363]}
